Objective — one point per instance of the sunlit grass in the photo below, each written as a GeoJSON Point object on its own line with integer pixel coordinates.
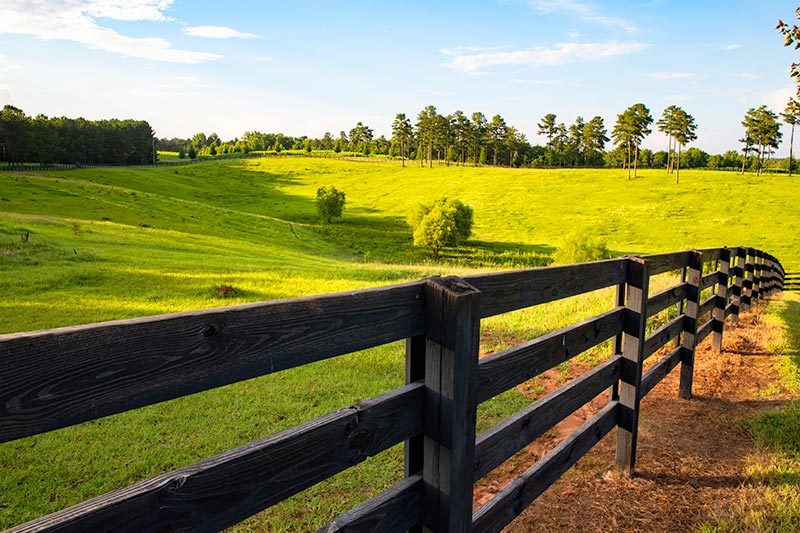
{"type": "Point", "coordinates": [106, 244]}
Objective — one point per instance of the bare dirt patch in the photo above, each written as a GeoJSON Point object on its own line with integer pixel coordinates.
{"type": "Point", "coordinates": [692, 454]}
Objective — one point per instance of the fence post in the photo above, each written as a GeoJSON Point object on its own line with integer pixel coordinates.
{"type": "Point", "coordinates": [721, 298]}
{"type": "Point", "coordinates": [755, 293]}
{"type": "Point", "coordinates": [747, 297]}
{"type": "Point", "coordinates": [451, 368]}
{"type": "Point", "coordinates": [415, 371]}
{"type": "Point", "coordinates": [695, 273]}
{"type": "Point", "coordinates": [737, 284]}
{"type": "Point", "coordinates": [616, 349]}
{"type": "Point", "coordinates": [636, 294]}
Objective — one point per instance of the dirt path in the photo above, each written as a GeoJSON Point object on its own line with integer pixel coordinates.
{"type": "Point", "coordinates": [691, 458]}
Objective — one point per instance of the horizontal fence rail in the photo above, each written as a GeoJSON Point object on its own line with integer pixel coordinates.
{"type": "Point", "coordinates": [57, 378]}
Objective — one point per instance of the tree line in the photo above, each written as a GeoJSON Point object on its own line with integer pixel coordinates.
{"type": "Point", "coordinates": [41, 139]}
{"type": "Point", "coordinates": [433, 137]}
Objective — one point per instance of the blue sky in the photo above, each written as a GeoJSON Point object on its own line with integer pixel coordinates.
{"type": "Point", "coordinates": [310, 67]}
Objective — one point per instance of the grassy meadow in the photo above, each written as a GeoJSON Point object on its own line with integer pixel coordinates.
{"type": "Point", "coordinates": [99, 244]}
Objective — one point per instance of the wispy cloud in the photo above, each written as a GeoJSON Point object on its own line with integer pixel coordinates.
{"type": "Point", "coordinates": [675, 75]}
{"type": "Point", "coordinates": [733, 46]}
{"type": "Point", "coordinates": [6, 65]}
{"type": "Point", "coordinates": [218, 32]}
{"type": "Point", "coordinates": [586, 11]}
{"type": "Point", "coordinates": [76, 21]}
{"type": "Point", "coordinates": [177, 87]}
{"type": "Point", "coordinates": [540, 56]}
{"type": "Point", "coordinates": [749, 76]}
{"type": "Point", "coordinates": [263, 59]}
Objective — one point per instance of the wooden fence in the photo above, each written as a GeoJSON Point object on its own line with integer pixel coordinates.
{"type": "Point", "coordinates": [57, 378]}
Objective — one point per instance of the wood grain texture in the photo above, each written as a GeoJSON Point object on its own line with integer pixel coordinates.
{"type": "Point", "coordinates": [503, 370]}
{"type": "Point", "coordinates": [514, 433]}
{"type": "Point", "coordinates": [451, 367]}
{"type": "Point", "coordinates": [666, 298]}
{"type": "Point", "coordinates": [61, 377]}
{"type": "Point", "coordinates": [637, 286]}
{"type": "Point", "coordinates": [660, 263]}
{"type": "Point", "coordinates": [721, 301]}
{"type": "Point", "coordinates": [660, 370]}
{"type": "Point", "coordinates": [662, 336]}
{"type": "Point", "coordinates": [689, 337]}
{"type": "Point", "coordinates": [705, 330]}
{"type": "Point", "coordinates": [508, 291]}
{"type": "Point", "coordinates": [227, 488]}
{"type": "Point", "coordinates": [706, 306]}
{"type": "Point", "coordinates": [520, 493]}
{"type": "Point", "coordinates": [711, 279]}
{"type": "Point", "coordinates": [398, 508]}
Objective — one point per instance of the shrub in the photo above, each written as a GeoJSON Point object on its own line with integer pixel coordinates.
{"type": "Point", "coordinates": [330, 203]}
{"type": "Point", "coordinates": [441, 224]}
{"type": "Point", "coordinates": [581, 246]}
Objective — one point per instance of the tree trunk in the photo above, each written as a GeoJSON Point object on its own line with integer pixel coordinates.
{"type": "Point", "coordinates": [678, 173]}
{"type": "Point", "coordinates": [628, 155]}
{"type": "Point", "coordinates": [635, 159]}
{"type": "Point", "coordinates": [430, 155]}
{"type": "Point", "coordinates": [791, 150]}
{"type": "Point", "coordinates": [669, 149]}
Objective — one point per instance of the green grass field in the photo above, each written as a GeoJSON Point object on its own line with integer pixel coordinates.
{"type": "Point", "coordinates": [114, 243]}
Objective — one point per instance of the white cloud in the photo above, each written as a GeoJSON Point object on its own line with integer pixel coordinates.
{"type": "Point", "coordinates": [541, 56]}
{"type": "Point", "coordinates": [586, 11]}
{"type": "Point", "coordinates": [217, 32]}
{"type": "Point", "coordinates": [536, 82]}
{"type": "Point", "coordinates": [749, 75]}
{"type": "Point", "coordinates": [75, 20]}
{"type": "Point", "coordinates": [263, 59]}
{"type": "Point", "coordinates": [6, 65]}
{"type": "Point", "coordinates": [777, 99]}
{"type": "Point", "coordinates": [674, 75]}
{"type": "Point", "coordinates": [733, 46]}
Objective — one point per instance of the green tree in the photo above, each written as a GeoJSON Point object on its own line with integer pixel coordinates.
{"type": "Point", "coordinates": [683, 131]}
{"type": "Point", "coordinates": [791, 116]}
{"type": "Point", "coordinates": [182, 153]}
{"type": "Point", "coordinates": [478, 135]}
{"type": "Point", "coordinates": [402, 134]}
{"type": "Point", "coordinates": [594, 141]}
{"type": "Point", "coordinates": [330, 203]}
{"type": "Point", "coordinates": [763, 129]}
{"type": "Point", "coordinates": [444, 223]}
{"type": "Point", "coordinates": [427, 123]}
{"type": "Point", "coordinates": [547, 127]}
{"type": "Point", "coordinates": [192, 152]}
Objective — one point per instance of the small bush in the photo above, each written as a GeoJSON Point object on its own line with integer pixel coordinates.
{"type": "Point", "coordinates": [330, 203]}
{"type": "Point", "coordinates": [581, 246]}
{"type": "Point", "coordinates": [441, 224]}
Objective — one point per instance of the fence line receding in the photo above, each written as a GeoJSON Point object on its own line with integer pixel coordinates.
{"type": "Point", "coordinates": [57, 378]}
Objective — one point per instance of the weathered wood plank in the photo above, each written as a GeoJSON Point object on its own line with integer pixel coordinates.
{"type": "Point", "coordinates": [666, 298]}
{"type": "Point", "coordinates": [637, 287]}
{"type": "Point", "coordinates": [689, 337]}
{"type": "Point", "coordinates": [61, 377]}
{"type": "Point", "coordinates": [503, 370]}
{"type": "Point", "coordinates": [227, 488]}
{"type": "Point", "coordinates": [710, 280]}
{"type": "Point", "coordinates": [508, 291]}
{"type": "Point", "coordinates": [663, 335]}
{"type": "Point", "coordinates": [705, 330]}
{"type": "Point", "coordinates": [660, 263]}
{"type": "Point", "coordinates": [514, 433]}
{"type": "Point", "coordinates": [520, 493]}
{"type": "Point", "coordinates": [721, 301]}
{"type": "Point", "coordinates": [660, 370]}
{"type": "Point", "coordinates": [710, 254]}
{"type": "Point", "coordinates": [707, 306]}
{"type": "Point", "coordinates": [398, 508]}
{"type": "Point", "coordinates": [451, 367]}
